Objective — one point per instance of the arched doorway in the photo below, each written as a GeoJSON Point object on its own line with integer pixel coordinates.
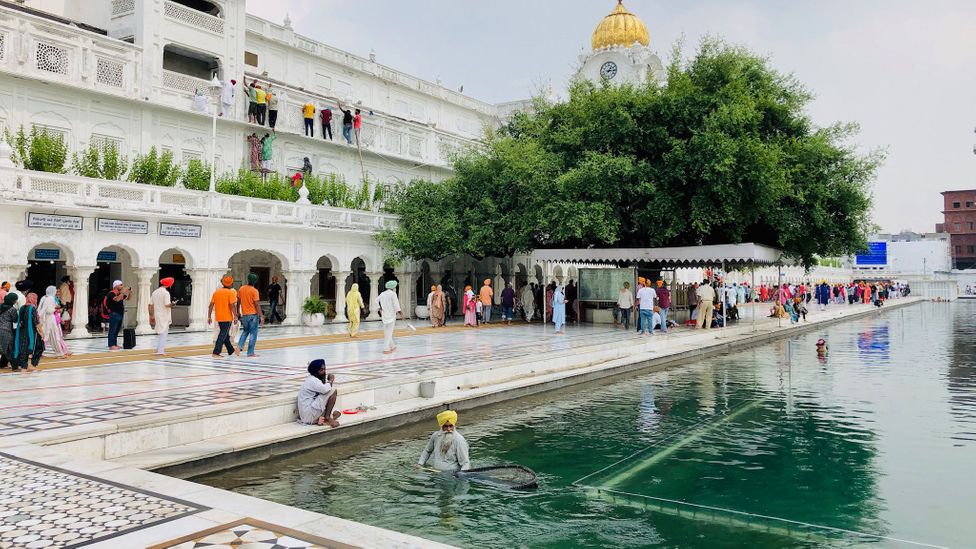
{"type": "Point", "coordinates": [323, 283]}
{"type": "Point", "coordinates": [47, 264]}
{"type": "Point", "coordinates": [424, 282]}
{"type": "Point", "coordinates": [175, 263]}
{"type": "Point", "coordinates": [271, 285]}
{"type": "Point", "coordinates": [358, 276]}
{"type": "Point", "coordinates": [111, 264]}
{"type": "Point", "coordinates": [389, 274]}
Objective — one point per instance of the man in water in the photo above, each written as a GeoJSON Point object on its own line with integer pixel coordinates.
{"type": "Point", "coordinates": [447, 446]}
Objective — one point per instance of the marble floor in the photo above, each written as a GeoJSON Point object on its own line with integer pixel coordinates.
{"type": "Point", "coordinates": [54, 399]}
{"type": "Point", "coordinates": [44, 506]}
{"type": "Point", "coordinates": [252, 534]}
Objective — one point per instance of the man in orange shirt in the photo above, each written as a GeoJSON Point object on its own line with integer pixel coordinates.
{"type": "Point", "coordinates": [487, 298]}
{"type": "Point", "coordinates": [250, 313]}
{"type": "Point", "coordinates": [223, 309]}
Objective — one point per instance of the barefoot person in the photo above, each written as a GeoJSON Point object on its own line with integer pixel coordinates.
{"type": "Point", "coordinates": [354, 307]}
{"type": "Point", "coordinates": [317, 397]}
{"type": "Point", "coordinates": [223, 310]}
{"type": "Point", "coordinates": [389, 311]}
{"type": "Point", "coordinates": [447, 446]}
{"type": "Point", "coordinates": [161, 313]}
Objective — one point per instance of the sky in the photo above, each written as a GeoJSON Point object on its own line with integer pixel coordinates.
{"type": "Point", "coordinates": [904, 70]}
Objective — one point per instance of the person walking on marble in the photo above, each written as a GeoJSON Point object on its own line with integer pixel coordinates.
{"type": "Point", "coordinates": [430, 306]}
{"type": "Point", "coordinates": [354, 308]}
{"type": "Point", "coordinates": [161, 313]}
{"type": "Point", "coordinates": [508, 303]}
{"type": "Point", "coordinates": [250, 313]}
{"type": "Point", "coordinates": [487, 298]}
{"type": "Point", "coordinates": [47, 312]}
{"type": "Point", "coordinates": [559, 309]}
{"type": "Point", "coordinates": [389, 311]}
{"type": "Point", "coordinates": [438, 306]}
{"type": "Point", "coordinates": [66, 295]}
{"type": "Point", "coordinates": [8, 318]}
{"type": "Point", "coordinates": [274, 300]}
{"type": "Point", "coordinates": [28, 337]}
{"type": "Point", "coordinates": [223, 310]}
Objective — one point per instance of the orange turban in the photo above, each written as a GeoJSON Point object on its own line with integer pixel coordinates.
{"type": "Point", "coordinates": [433, 288]}
{"type": "Point", "coordinates": [167, 282]}
{"type": "Point", "coordinates": [227, 281]}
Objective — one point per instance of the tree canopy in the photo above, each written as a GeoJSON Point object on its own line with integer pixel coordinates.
{"type": "Point", "coordinates": [723, 152]}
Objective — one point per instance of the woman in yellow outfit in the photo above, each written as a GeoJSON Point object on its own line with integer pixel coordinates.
{"type": "Point", "coordinates": [354, 304]}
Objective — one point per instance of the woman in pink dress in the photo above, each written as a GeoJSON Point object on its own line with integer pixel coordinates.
{"type": "Point", "coordinates": [470, 307]}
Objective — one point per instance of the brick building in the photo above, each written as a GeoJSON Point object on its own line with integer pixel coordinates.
{"type": "Point", "coordinates": [959, 210]}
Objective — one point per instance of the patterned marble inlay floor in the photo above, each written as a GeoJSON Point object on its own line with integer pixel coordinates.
{"type": "Point", "coordinates": [253, 534]}
{"type": "Point", "coordinates": [490, 347]}
{"type": "Point", "coordinates": [110, 411]}
{"type": "Point", "coordinates": [42, 506]}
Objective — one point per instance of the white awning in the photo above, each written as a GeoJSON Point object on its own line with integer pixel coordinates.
{"type": "Point", "coordinates": [679, 256]}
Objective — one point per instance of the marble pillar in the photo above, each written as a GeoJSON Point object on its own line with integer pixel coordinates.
{"type": "Point", "coordinates": [79, 310]}
{"type": "Point", "coordinates": [296, 291]}
{"type": "Point", "coordinates": [407, 289]}
{"type": "Point", "coordinates": [203, 284]}
{"type": "Point", "coordinates": [376, 287]}
{"type": "Point", "coordinates": [341, 277]}
{"type": "Point", "coordinates": [143, 290]}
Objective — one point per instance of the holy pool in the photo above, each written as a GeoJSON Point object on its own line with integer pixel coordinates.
{"type": "Point", "coordinates": [766, 447]}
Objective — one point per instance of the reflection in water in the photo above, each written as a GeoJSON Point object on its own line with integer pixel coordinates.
{"type": "Point", "coordinates": [872, 443]}
{"type": "Point", "coordinates": [874, 344]}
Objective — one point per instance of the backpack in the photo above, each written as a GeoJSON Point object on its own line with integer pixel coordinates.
{"type": "Point", "coordinates": [103, 311]}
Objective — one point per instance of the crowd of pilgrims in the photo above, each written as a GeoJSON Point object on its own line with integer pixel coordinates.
{"type": "Point", "coordinates": [31, 327]}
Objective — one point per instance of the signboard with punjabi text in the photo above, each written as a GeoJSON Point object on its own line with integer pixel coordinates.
{"type": "Point", "coordinates": [179, 229]}
{"type": "Point", "coordinates": [128, 226]}
{"type": "Point", "coordinates": [53, 221]}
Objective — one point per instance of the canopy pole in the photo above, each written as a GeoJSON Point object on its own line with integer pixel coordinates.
{"type": "Point", "coordinates": [725, 302]}
{"type": "Point", "coordinates": [545, 284]}
{"type": "Point", "coordinates": [779, 292]}
{"type": "Point", "coordinates": [752, 293]}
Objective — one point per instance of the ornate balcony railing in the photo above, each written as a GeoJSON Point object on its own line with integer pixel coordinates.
{"type": "Point", "coordinates": [34, 47]}
{"type": "Point", "coordinates": [69, 191]}
{"type": "Point", "coordinates": [193, 18]}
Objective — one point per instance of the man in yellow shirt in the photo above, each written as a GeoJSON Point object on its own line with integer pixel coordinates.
{"type": "Point", "coordinates": [223, 309]}
{"type": "Point", "coordinates": [262, 103]}
{"type": "Point", "coordinates": [309, 111]}
{"type": "Point", "coordinates": [487, 298]}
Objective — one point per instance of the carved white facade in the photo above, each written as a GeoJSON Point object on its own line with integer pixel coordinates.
{"type": "Point", "coordinates": [125, 71]}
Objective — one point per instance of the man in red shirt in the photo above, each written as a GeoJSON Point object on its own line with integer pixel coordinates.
{"type": "Point", "coordinates": [664, 303]}
{"type": "Point", "coordinates": [326, 116]}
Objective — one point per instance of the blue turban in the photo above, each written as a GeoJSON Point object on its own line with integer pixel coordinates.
{"type": "Point", "coordinates": [315, 365]}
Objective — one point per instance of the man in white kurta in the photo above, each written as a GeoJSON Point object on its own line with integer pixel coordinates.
{"type": "Point", "coordinates": [161, 312]}
{"type": "Point", "coordinates": [389, 311]}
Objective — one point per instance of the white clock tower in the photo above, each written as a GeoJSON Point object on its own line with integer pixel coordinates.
{"type": "Point", "coordinates": [620, 51]}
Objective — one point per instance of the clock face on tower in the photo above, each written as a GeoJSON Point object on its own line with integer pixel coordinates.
{"type": "Point", "coordinates": [608, 70]}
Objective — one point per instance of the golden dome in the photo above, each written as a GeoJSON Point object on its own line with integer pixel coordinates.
{"type": "Point", "coordinates": [620, 28]}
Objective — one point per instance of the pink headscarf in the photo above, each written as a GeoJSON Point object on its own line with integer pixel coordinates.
{"type": "Point", "coordinates": [31, 299]}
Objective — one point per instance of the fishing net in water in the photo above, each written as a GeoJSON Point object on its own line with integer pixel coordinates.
{"type": "Point", "coordinates": [510, 477]}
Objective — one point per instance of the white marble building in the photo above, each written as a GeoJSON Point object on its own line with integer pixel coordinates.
{"type": "Point", "coordinates": [125, 71]}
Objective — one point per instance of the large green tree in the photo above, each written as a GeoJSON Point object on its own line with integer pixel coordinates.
{"type": "Point", "coordinates": [723, 152]}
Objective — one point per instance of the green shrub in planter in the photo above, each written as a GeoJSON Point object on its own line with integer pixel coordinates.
{"type": "Point", "coordinates": [314, 305]}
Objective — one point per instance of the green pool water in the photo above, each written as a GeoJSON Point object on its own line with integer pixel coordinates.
{"type": "Point", "coordinates": [766, 447]}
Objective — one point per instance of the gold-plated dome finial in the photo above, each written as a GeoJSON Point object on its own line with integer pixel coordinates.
{"type": "Point", "coordinates": [620, 28]}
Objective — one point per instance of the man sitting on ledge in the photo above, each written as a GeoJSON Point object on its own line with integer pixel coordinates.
{"type": "Point", "coordinates": [317, 397]}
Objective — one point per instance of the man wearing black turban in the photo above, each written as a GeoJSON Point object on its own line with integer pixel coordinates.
{"type": "Point", "coordinates": [317, 397]}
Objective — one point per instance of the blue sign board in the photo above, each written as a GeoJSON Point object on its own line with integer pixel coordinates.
{"type": "Point", "coordinates": [47, 254]}
{"type": "Point", "coordinates": [107, 256]}
{"type": "Point", "coordinates": [876, 254]}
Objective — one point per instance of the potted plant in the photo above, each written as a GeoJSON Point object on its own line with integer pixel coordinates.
{"type": "Point", "coordinates": [313, 311]}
